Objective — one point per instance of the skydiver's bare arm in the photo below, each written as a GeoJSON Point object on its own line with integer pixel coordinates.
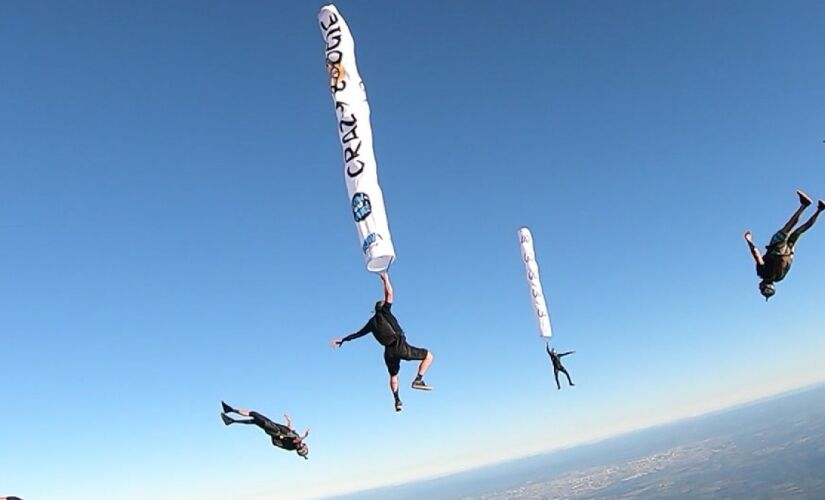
{"type": "Point", "coordinates": [385, 278]}
{"type": "Point", "coordinates": [757, 256]}
{"type": "Point", "coordinates": [288, 420]}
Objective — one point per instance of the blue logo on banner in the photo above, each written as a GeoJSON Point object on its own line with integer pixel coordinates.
{"type": "Point", "coordinates": [361, 206]}
{"type": "Point", "coordinates": [370, 240]}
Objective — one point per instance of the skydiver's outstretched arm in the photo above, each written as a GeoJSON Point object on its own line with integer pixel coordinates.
{"type": "Point", "coordinates": [547, 348]}
{"type": "Point", "coordinates": [385, 278]}
{"type": "Point", "coordinates": [306, 433]}
{"type": "Point", "coordinates": [360, 333]}
{"type": "Point", "coordinates": [288, 420]}
{"type": "Point", "coordinates": [566, 353]}
{"type": "Point", "coordinates": [754, 251]}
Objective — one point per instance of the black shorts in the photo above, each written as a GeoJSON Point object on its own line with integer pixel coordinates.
{"type": "Point", "coordinates": [393, 354]}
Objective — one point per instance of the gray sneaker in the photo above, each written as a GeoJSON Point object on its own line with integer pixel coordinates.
{"type": "Point", "coordinates": [399, 405]}
{"type": "Point", "coordinates": [804, 199]}
{"type": "Point", "coordinates": [421, 385]}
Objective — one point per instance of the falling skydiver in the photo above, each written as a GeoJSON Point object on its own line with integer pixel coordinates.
{"type": "Point", "coordinates": [283, 436]}
{"type": "Point", "coordinates": [557, 366]}
{"type": "Point", "coordinates": [388, 332]}
{"type": "Point", "coordinates": [775, 264]}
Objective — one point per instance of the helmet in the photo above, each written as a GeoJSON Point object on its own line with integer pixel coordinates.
{"type": "Point", "coordinates": [767, 290]}
{"type": "Point", "coordinates": [379, 305]}
{"type": "Point", "coordinates": [303, 450]}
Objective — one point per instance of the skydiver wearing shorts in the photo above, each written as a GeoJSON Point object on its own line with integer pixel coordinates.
{"type": "Point", "coordinates": [778, 257]}
{"type": "Point", "coordinates": [283, 436]}
{"type": "Point", "coordinates": [557, 366]}
{"type": "Point", "coordinates": [385, 328]}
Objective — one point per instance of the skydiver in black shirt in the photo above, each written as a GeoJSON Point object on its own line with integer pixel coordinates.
{"type": "Point", "coordinates": [557, 366]}
{"type": "Point", "coordinates": [385, 328]}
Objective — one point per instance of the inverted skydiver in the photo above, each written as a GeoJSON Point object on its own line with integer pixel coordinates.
{"type": "Point", "coordinates": [557, 366]}
{"type": "Point", "coordinates": [775, 264]}
{"type": "Point", "coordinates": [385, 328]}
{"type": "Point", "coordinates": [283, 436]}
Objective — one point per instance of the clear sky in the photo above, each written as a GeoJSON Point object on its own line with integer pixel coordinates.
{"type": "Point", "coordinates": [175, 230]}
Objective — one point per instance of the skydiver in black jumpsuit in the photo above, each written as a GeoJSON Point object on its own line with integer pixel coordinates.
{"type": "Point", "coordinates": [283, 436]}
{"type": "Point", "coordinates": [557, 366]}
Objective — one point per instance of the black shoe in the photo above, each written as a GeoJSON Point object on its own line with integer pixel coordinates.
{"type": "Point", "coordinates": [804, 199]}
{"type": "Point", "coordinates": [421, 385]}
{"type": "Point", "coordinates": [227, 408]}
{"type": "Point", "coordinates": [821, 205]}
{"type": "Point", "coordinates": [226, 420]}
{"type": "Point", "coordinates": [399, 405]}
{"type": "Point", "coordinates": [572, 384]}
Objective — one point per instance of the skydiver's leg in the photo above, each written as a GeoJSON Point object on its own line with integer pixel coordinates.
{"type": "Point", "coordinates": [425, 363]}
{"type": "Point", "coordinates": [804, 201]}
{"type": "Point", "coordinates": [256, 419]}
{"type": "Point", "coordinates": [229, 420]}
{"type": "Point", "coordinates": [393, 367]}
{"type": "Point", "coordinates": [394, 389]}
{"type": "Point", "coordinates": [426, 357]}
{"type": "Point", "coordinates": [564, 370]}
{"type": "Point", "coordinates": [807, 225]}
{"type": "Point", "coordinates": [556, 375]}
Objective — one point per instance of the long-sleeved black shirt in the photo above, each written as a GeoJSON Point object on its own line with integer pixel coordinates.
{"type": "Point", "coordinates": [556, 358]}
{"type": "Point", "coordinates": [383, 326]}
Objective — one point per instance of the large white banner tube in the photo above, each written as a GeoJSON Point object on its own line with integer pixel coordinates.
{"type": "Point", "coordinates": [528, 254]}
{"type": "Point", "coordinates": [355, 136]}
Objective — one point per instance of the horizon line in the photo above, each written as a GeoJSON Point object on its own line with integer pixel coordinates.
{"type": "Point", "coordinates": [728, 406]}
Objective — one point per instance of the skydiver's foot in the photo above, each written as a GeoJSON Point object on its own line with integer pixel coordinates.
{"type": "Point", "coordinates": [821, 205]}
{"type": "Point", "coordinates": [399, 405]}
{"type": "Point", "coordinates": [227, 408]}
{"type": "Point", "coordinates": [226, 420]}
{"type": "Point", "coordinates": [804, 199]}
{"type": "Point", "coordinates": [572, 384]}
{"type": "Point", "coordinates": [421, 385]}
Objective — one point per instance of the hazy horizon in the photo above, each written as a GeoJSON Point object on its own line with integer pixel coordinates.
{"type": "Point", "coordinates": [399, 490]}
{"type": "Point", "coordinates": [812, 386]}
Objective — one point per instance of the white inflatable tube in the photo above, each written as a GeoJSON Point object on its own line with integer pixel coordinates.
{"type": "Point", "coordinates": [355, 135]}
{"type": "Point", "coordinates": [528, 254]}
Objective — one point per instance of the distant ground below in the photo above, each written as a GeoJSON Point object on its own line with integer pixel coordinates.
{"type": "Point", "coordinates": [773, 448]}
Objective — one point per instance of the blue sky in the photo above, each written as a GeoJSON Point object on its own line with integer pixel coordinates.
{"type": "Point", "coordinates": [175, 231]}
